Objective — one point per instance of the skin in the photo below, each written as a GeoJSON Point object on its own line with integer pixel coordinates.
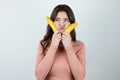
{"type": "Point", "coordinates": [61, 22]}
{"type": "Point", "coordinates": [73, 60]}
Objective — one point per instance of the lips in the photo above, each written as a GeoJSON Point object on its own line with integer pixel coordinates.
{"type": "Point", "coordinates": [62, 28]}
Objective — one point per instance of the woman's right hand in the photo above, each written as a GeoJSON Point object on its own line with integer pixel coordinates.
{"type": "Point", "coordinates": [56, 37]}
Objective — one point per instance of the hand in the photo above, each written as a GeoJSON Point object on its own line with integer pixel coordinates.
{"type": "Point", "coordinates": [56, 38]}
{"type": "Point", "coordinates": [66, 39]}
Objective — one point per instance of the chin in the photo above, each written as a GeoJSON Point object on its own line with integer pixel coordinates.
{"type": "Point", "coordinates": [62, 30]}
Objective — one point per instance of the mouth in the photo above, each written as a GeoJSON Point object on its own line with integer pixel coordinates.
{"type": "Point", "coordinates": [62, 28]}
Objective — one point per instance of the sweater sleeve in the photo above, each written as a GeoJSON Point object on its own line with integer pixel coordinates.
{"type": "Point", "coordinates": [44, 62]}
{"type": "Point", "coordinates": [82, 58]}
{"type": "Point", "coordinates": [76, 59]}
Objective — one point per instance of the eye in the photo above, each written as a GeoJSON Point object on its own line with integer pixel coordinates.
{"type": "Point", "coordinates": [66, 20]}
{"type": "Point", "coordinates": [57, 19]}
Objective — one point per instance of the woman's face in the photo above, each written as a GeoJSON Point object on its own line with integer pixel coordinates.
{"type": "Point", "coordinates": [62, 21]}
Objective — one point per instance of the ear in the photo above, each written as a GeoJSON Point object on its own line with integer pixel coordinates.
{"type": "Point", "coordinates": [51, 23]}
{"type": "Point", "coordinates": [71, 27]}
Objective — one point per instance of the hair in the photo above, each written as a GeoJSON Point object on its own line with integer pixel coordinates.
{"type": "Point", "coordinates": [46, 41]}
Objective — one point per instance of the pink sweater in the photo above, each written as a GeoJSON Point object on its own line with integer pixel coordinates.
{"type": "Point", "coordinates": [61, 65]}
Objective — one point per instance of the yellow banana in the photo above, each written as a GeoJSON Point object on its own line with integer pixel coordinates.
{"type": "Point", "coordinates": [51, 23]}
{"type": "Point", "coordinates": [54, 28]}
{"type": "Point", "coordinates": [71, 27]}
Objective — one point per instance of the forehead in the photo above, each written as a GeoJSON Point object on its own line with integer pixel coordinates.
{"type": "Point", "coordinates": [62, 14]}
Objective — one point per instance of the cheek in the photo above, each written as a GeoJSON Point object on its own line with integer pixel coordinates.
{"type": "Point", "coordinates": [67, 25]}
{"type": "Point", "coordinates": [56, 24]}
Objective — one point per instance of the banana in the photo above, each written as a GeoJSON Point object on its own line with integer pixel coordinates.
{"type": "Point", "coordinates": [71, 27]}
{"type": "Point", "coordinates": [51, 23]}
{"type": "Point", "coordinates": [54, 28]}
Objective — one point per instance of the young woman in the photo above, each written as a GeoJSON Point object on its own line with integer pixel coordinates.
{"type": "Point", "coordinates": [60, 56]}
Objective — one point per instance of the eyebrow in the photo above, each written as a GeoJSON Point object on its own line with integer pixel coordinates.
{"type": "Point", "coordinates": [60, 18]}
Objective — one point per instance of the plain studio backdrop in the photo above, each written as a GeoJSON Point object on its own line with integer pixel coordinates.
{"type": "Point", "coordinates": [23, 25]}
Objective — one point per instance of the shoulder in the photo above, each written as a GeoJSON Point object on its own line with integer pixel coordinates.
{"type": "Point", "coordinates": [40, 47]}
{"type": "Point", "coordinates": [78, 43]}
{"type": "Point", "coordinates": [79, 47]}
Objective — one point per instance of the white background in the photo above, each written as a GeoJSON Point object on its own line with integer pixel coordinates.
{"type": "Point", "coordinates": [23, 25]}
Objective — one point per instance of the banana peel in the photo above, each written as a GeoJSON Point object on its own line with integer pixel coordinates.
{"type": "Point", "coordinates": [54, 28]}
{"type": "Point", "coordinates": [51, 23]}
{"type": "Point", "coordinates": [71, 27]}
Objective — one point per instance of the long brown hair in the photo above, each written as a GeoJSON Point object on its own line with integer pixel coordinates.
{"type": "Point", "coordinates": [45, 42]}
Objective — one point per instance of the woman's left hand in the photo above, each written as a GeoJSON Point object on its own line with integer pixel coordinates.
{"type": "Point", "coordinates": [66, 39]}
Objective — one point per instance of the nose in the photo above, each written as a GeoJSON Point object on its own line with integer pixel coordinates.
{"type": "Point", "coordinates": [62, 24]}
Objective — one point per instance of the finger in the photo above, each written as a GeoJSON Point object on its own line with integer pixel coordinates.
{"type": "Point", "coordinates": [59, 37]}
{"type": "Point", "coordinates": [57, 32]}
{"type": "Point", "coordinates": [65, 33]}
{"type": "Point", "coordinates": [64, 37]}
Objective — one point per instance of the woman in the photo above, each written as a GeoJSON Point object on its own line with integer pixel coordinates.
{"type": "Point", "coordinates": [60, 56]}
